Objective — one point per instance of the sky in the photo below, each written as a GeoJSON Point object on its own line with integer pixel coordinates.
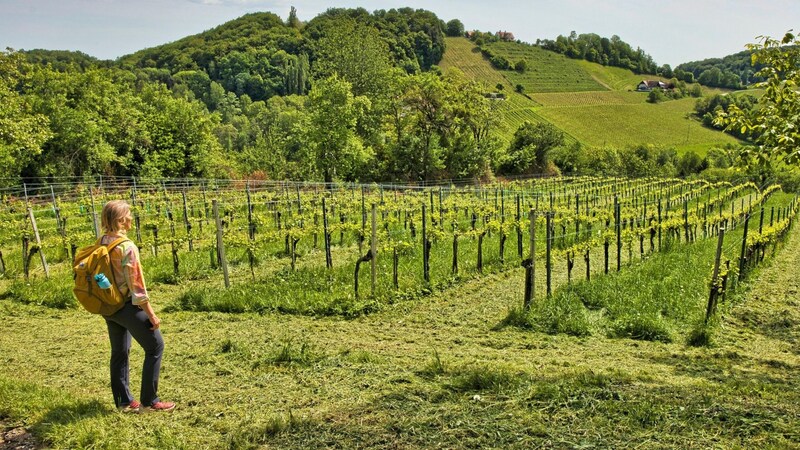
{"type": "Point", "coordinates": [671, 31]}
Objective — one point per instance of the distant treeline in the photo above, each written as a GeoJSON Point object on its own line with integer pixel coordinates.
{"type": "Point", "coordinates": [349, 95]}
{"type": "Point", "coordinates": [732, 72]}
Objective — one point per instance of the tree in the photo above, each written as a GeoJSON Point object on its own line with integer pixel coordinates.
{"type": "Point", "coordinates": [656, 96]}
{"type": "Point", "coordinates": [22, 132]}
{"type": "Point", "coordinates": [356, 53]}
{"type": "Point", "coordinates": [425, 98]}
{"type": "Point", "coordinates": [292, 21]}
{"type": "Point", "coordinates": [334, 113]}
{"type": "Point", "coordinates": [773, 126]}
{"type": "Point", "coordinates": [454, 28]}
{"type": "Point", "coordinates": [530, 146]}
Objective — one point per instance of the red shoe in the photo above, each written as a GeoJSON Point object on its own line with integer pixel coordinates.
{"type": "Point", "coordinates": [161, 406]}
{"type": "Point", "coordinates": [131, 408]}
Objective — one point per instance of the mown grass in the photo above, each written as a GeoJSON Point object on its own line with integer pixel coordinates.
{"type": "Point", "coordinates": [433, 373]}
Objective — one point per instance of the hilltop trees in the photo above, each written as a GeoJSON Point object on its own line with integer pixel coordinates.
{"type": "Point", "coordinates": [732, 71]}
{"type": "Point", "coordinates": [454, 28]}
{"type": "Point", "coordinates": [608, 52]}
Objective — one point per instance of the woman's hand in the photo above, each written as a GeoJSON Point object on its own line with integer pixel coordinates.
{"type": "Point", "coordinates": [151, 315]}
{"type": "Point", "coordinates": [155, 321]}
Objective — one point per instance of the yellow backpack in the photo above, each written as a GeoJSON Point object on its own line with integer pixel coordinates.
{"type": "Point", "coordinates": [89, 262]}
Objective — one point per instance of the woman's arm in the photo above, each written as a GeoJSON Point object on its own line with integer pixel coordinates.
{"type": "Point", "coordinates": [154, 320]}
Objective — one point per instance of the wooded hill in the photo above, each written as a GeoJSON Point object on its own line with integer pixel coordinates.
{"type": "Point", "coordinates": [349, 95]}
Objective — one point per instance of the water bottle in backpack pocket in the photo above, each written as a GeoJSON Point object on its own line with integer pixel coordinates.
{"type": "Point", "coordinates": [102, 281]}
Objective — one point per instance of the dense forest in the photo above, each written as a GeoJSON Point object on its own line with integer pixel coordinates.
{"type": "Point", "coordinates": [348, 95]}
{"type": "Point", "coordinates": [732, 72]}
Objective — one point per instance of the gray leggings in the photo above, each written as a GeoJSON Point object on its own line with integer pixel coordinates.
{"type": "Point", "coordinates": [132, 321]}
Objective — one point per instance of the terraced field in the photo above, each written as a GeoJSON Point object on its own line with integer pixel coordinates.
{"type": "Point", "coordinates": [566, 99]}
{"type": "Point", "coordinates": [547, 71]}
{"type": "Point", "coordinates": [592, 104]}
{"type": "Point", "coordinates": [465, 56]}
{"type": "Point", "coordinates": [516, 109]}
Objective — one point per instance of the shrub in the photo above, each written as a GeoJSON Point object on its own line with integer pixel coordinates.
{"type": "Point", "coordinates": [656, 96]}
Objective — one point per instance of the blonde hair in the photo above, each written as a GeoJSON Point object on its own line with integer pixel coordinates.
{"type": "Point", "coordinates": [113, 214]}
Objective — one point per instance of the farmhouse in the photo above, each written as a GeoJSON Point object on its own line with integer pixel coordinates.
{"type": "Point", "coordinates": [649, 85]}
{"type": "Point", "coordinates": [505, 35]}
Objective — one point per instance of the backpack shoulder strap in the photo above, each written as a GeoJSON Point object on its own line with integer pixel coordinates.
{"type": "Point", "coordinates": [116, 242]}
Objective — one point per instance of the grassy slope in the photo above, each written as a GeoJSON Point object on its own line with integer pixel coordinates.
{"type": "Point", "coordinates": [466, 57]}
{"type": "Point", "coordinates": [547, 71]}
{"type": "Point", "coordinates": [432, 373]}
{"type": "Point", "coordinates": [590, 103]}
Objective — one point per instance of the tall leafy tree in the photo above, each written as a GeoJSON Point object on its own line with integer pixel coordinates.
{"type": "Point", "coordinates": [529, 149]}
{"type": "Point", "coordinates": [472, 121]}
{"type": "Point", "coordinates": [356, 53]}
{"type": "Point", "coordinates": [22, 131]}
{"type": "Point", "coordinates": [334, 112]}
{"type": "Point", "coordinates": [426, 103]}
{"type": "Point", "coordinates": [773, 125]}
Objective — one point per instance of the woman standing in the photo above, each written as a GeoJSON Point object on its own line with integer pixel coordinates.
{"type": "Point", "coordinates": [135, 319]}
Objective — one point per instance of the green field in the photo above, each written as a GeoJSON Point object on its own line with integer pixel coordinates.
{"type": "Point", "coordinates": [622, 125]}
{"type": "Point", "coordinates": [592, 104]}
{"type": "Point", "coordinates": [547, 71]}
{"type": "Point", "coordinates": [613, 78]}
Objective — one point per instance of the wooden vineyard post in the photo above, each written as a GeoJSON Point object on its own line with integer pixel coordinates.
{"type": "Point", "coordinates": [712, 297]}
{"type": "Point", "coordinates": [659, 224]}
{"type": "Point", "coordinates": [586, 252]}
{"type": "Point", "coordinates": [326, 236]}
{"type": "Point", "coordinates": [205, 204]}
{"type": "Point", "coordinates": [530, 264]}
{"type": "Point", "coordinates": [220, 244]}
{"type": "Point", "coordinates": [187, 222]}
{"type": "Point", "coordinates": [548, 254]}
{"type": "Point", "coordinates": [38, 242]}
{"type": "Point", "coordinates": [441, 211]}
{"type": "Point", "coordinates": [60, 226]}
{"type": "Point", "coordinates": [374, 249]}
{"type": "Point", "coordinates": [426, 275]}
{"type": "Point", "coordinates": [618, 229]}
{"type": "Point", "coordinates": [94, 215]}
{"type": "Point", "coordinates": [743, 256]}
{"type": "Point", "coordinates": [577, 220]}
{"type": "Point", "coordinates": [362, 236]}
{"type": "Point", "coordinates": [606, 244]}
{"type": "Point", "coordinates": [761, 222]}
{"type": "Point", "coordinates": [519, 230]}
{"type": "Point", "coordinates": [251, 227]}
{"type": "Point", "coordinates": [686, 221]}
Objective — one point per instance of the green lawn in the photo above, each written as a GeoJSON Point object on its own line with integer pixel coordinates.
{"type": "Point", "coordinates": [622, 125]}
